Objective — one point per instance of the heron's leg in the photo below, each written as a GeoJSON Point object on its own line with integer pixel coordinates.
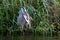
{"type": "Point", "coordinates": [23, 29]}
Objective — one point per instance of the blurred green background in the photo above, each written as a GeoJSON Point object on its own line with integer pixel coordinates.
{"type": "Point", "coordinates": [41, 20]}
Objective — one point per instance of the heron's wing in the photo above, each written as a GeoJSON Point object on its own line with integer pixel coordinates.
{"type": "Point", "coordinates": [26, 17]}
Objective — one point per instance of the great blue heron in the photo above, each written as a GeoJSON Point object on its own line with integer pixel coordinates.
{"type": "Point", "coordinates": [24, 19]}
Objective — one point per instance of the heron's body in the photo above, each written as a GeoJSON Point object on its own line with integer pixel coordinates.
{"type": "Point", "coordinates": [20, 19]}
{"type": "Point", "coordinates": [24, 18]}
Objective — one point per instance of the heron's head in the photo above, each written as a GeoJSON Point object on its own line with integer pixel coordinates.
{"type": "Point", "coordinates": [24, 11]}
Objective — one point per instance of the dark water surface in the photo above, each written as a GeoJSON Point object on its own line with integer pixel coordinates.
{"type": "Point", "coordinates": [29, 37]}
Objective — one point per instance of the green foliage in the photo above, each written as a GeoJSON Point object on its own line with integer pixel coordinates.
{"type": "Point", "coordinates": [9, 12]}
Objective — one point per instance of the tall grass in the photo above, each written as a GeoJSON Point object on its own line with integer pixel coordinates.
{"type": "Point", "coordinates": [42, 17]}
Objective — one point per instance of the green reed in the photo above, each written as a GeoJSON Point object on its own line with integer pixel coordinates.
{"type": "Point", "coordinates": [9, 12]}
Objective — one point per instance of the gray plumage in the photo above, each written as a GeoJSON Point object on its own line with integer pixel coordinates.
{"type": "Point", "coordinates": [24, 18]}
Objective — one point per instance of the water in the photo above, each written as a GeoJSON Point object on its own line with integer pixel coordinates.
{"type": "Point", "coordinates": [29, 37]}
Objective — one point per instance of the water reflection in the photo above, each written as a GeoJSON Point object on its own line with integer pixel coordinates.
{"type": "Point", "coordinates": [28, 37]}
